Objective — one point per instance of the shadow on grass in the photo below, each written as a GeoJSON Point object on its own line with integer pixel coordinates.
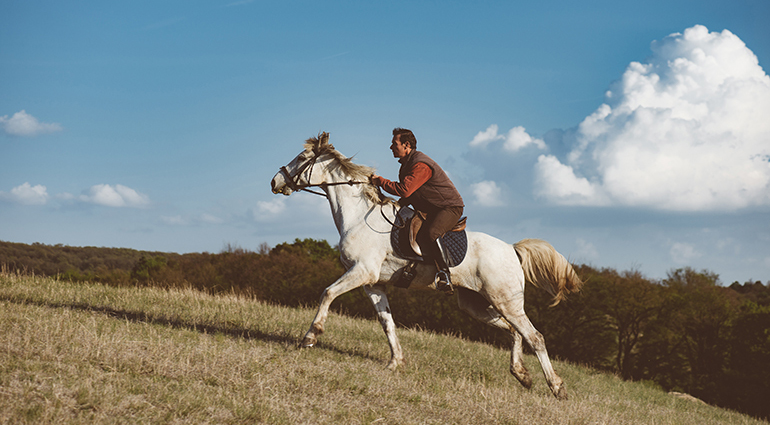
{"type": "Point", "coordinates": [234, 332]}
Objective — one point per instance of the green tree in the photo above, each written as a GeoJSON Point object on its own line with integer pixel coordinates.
{"type": "Point", "coordinates": [147, 268]}
{"type": "Point", "coordinates": [747, 382]}
{"type": "Point", "coordinates": [315, 250]}
{"type": "Point", "coordinates": [632, 304]}
{"type": "Point", "coordinates": [688, 347]}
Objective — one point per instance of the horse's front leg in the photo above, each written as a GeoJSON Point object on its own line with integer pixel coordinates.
{"type": "Point", "coordinates": [355, 277]}
{"type": "Point", "coordinates": [380, 301]}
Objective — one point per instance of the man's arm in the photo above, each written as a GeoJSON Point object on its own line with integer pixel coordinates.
{"type": "Point", "coordinates": [414, 179]}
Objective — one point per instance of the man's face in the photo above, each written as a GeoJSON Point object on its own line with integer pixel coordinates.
{"type": "Point", "coordinates": [399, 150]}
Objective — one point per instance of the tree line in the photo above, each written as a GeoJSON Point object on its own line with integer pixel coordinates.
{"type": "Point", "coordinates": [686, 333]}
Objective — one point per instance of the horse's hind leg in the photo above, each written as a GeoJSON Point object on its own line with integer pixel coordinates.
{"type": "Point", "coordinates": [517, 364]}
{"type": "Point", "coordinates": [477, 306]}
{"type": "Point", "coordinates": [380, 301]}
{"type": "Point", "coordinates": [535, 340]}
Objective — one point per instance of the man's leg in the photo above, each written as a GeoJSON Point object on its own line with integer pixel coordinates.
{"type": "Point", "coordinates": [434, 227]}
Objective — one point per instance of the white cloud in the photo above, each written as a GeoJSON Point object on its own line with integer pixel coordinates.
{"type": "Point", "coordinates": [26, 194]}
{"type": "Point", "coordinates": [24, 124]}
{"type": "Point", "coordinates": [487, 193]}
{"type": "Point", "coordinates": [272, 207]}
{"type": "Point", "coordinates": [687, 131]}
{"type": "Point", "coordinates": [482, 138]}
{"type": "Point", "coordinates": [554, 180]}
{"type": "Point", "coordinates": [118, 196]}
{"type": "Point", "coordinates": [516, 139]}
{"type": "Point", "coordinates": [682, 252]}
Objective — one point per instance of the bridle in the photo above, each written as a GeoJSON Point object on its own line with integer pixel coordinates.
{"type": "Point", "coordinates": [295, 185]}
{"type": "Point", "coordinates": [294, 181]}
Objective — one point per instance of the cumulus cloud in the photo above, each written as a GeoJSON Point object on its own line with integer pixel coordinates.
{"type": "Point", "coordinates": [25, 125]}
{"type": "Point", "coordinates": [487, 193]}
{"type": "Point", "coordinates": [686, 131]}
{"type": "Point", "coordinates": [118, 196]}
{"type": "Point", "coordinates": [483, 138]}
{"type": "Point", "coordinates": [555, 180]}
{"type": "Point", "coordinates": [26, 194]}
{"type": "Point", "coordinates": [516, 139]}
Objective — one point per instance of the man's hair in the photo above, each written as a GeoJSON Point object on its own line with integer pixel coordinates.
{"type": "Point", "coordinates": [405, 136]}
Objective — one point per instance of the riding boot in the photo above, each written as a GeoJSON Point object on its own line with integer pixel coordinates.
{"type": "Point", "coordinates": [443, 280]}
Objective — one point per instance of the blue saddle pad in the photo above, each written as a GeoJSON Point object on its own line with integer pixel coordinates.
{"type": "Point", "coordinates": [454, 244]}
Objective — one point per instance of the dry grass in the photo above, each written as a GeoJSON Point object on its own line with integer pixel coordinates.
{"type": "Point", "coordinates": [74, 353]}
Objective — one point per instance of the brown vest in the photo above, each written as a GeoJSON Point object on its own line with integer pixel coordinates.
{"type": "Point", "coordinates": [437, 193]}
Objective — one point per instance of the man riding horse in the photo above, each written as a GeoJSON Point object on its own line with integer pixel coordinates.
{"type": "Point", "coordinates": [425, 186]}
{"type": "Point", "coordinates": [490, 280]}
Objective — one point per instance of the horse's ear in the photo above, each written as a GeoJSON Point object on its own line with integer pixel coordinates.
{"type": "Point", "coordinates": [323, 139]}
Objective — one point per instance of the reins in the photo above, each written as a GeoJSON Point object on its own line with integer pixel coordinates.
{"type": "Point", "coordinates": [323, 185]}
{"type": "Point", "coordinates": [395, 214]}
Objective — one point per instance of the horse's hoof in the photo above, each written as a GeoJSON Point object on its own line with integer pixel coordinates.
{"type": "Point", "coordinates": [561, 393]}
{"type": "Point", "coordinates": [522, 375]}
{"type": "Point", "coordinates": [308, 342]}
{"type": "Point", "coordinates": [394, 364]}
{"type": "Point", "coordinates": [525, 381]}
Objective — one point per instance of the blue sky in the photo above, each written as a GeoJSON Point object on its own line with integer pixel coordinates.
{"type": "Point", "coordinates": [629, 135]}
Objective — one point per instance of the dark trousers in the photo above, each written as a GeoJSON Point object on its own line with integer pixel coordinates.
{"type": "Point", "coordinates": [436, 224]}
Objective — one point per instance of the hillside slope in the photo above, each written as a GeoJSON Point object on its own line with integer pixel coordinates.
{"type": "Point", "coordinates": [83, 353]}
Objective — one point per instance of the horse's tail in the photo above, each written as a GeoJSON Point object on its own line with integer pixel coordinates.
{"type": "Point", "coordinates": [547, 269]}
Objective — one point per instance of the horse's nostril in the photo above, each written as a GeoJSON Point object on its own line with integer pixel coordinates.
{"type": "Point", "coordinates": [274, 185]}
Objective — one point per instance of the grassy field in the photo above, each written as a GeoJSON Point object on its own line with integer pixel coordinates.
{"type": "Point", "coordinates": [76, 353]}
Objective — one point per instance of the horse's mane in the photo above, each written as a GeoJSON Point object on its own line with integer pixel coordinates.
{"type": "Point", "coordinates": [320, 145]}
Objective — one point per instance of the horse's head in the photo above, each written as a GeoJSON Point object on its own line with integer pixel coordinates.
{"type": "Point", "coordinates": [299, 173]}
{"type": "Point", "coordinates": [320, 165]}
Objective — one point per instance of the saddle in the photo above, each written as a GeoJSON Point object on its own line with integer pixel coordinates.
{"type": "Point", "coordinates": [415, 223]}
{"type": "Point", "coordinates": [403, 238]}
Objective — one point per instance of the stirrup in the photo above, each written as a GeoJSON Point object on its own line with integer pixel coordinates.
{"type": "Point", "coordinates": [407, 275]}
{"type": "Point", "coordinates": [443, 282]}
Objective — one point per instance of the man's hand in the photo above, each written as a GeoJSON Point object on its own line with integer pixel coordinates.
{"type": "Point", "coordinates": [375, 180]}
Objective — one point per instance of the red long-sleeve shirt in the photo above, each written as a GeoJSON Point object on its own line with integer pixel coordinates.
{"type": "Point", "coordinates": [416, 177]}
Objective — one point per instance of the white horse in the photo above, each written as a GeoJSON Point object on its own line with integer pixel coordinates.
{"type": "Point", "coordinates": [489, 282]}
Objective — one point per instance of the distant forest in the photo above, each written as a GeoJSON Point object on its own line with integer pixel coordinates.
{"type": "Point", "coordinates": [686, 333]}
